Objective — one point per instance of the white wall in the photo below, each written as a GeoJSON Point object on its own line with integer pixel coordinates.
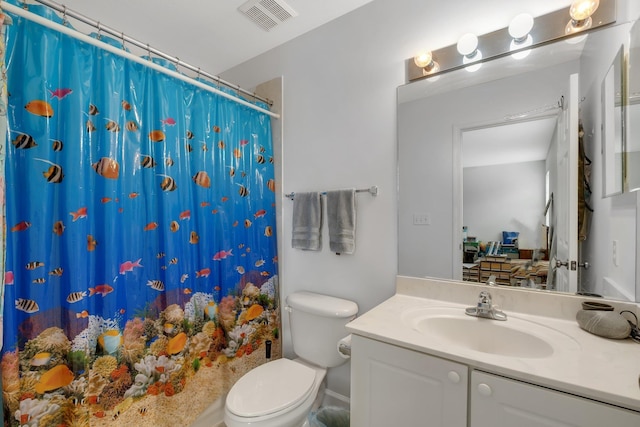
{"type": "Point", "coordinates": [505, 198]}
{"type": "Point", "coordinates": [339, 129]}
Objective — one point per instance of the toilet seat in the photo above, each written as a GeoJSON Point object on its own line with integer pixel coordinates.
{"type": "Point", "coordinates": [271, 388]}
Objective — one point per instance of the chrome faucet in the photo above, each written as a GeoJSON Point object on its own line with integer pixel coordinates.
{"type": "Point", "coordinates": [485, 308]}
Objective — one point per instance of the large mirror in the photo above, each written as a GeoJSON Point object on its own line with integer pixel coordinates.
{"type": "Point", "coordinates": [528, 207]}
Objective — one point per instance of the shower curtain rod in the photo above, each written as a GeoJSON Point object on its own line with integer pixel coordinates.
{"type": "Point", "coordinates": [123, 53]}
{"type": "Point", "coordinates": [96, 24]}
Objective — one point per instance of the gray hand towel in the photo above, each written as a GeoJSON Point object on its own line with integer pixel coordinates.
{"type": "Point", "coordinates": [341, 218]}
{"type": "Point", "coordinates": [307, 221]}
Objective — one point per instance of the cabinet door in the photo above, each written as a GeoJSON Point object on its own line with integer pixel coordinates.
{"type": "Point", "coordinates": [501, 402]}
{"type": "Point", "coordinates": [395, 387]}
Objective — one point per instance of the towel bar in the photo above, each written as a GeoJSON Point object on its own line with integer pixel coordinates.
{"type": "Point", "coordinates": [373, 190]}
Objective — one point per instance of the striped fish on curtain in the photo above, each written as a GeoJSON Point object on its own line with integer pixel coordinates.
{"type": "Point", "coordinates": [141, 254]}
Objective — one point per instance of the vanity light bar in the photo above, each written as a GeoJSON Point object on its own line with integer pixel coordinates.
{"type": "Point", "coordinates": [546, 29]}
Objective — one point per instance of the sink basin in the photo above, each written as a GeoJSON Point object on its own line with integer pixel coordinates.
{"type": "Point", "coordinates": [514, 338]}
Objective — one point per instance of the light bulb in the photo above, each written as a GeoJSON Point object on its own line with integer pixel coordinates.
{"type": "Point", "coordinates": [520, 27]}
{"type": "Point", "coordinates": [583, 9]}
{"type": "Point", "coordinates": [423, 59]}
{"type": "Point", "coordinates": [467, 45]}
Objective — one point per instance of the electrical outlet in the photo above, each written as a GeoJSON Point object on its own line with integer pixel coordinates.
{"type": "Point", "coordinates": [421, 219]}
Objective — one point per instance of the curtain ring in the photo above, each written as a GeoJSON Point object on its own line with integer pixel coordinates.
{"type": "Point", "coordinates": [99, 31]}
{"type": "Point", "coordinates": [64, 15]}
{"type": "Point", "coordinates": [25, 6]}
{"type": "Point", "coordinates": [218, 81]}
{"type": "Point", "coordinates": [198, 75]}
{"type": "Point", "coordinates": [122, 37]}
{"type": "Point", "coordinates": [177, 63]}
{"type": "Point", "coordinates": [149, 51]}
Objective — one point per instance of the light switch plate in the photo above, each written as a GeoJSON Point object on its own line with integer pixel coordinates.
{"type": "Point", "coordinates": [421, 219]}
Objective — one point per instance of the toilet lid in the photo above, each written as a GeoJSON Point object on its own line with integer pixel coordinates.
{"type": "Point", "coordinates": [270, 388]}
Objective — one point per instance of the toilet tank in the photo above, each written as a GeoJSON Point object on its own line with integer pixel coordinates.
{"type": "Point", "coordinates": [317, 323]}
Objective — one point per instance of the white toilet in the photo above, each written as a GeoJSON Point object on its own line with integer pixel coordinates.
{"type": "Point", "coordinates": [281, 393]}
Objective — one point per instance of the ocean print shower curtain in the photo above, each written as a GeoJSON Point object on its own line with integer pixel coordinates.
{"type": "Point", "coordinates": [141, 265]}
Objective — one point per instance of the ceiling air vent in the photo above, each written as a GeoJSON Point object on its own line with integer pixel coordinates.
{"type": "Point", "coordinates": [267, 13]}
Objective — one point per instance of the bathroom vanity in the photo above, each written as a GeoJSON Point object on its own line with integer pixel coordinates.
{"type": "Point", "coordinates": [417, 359]}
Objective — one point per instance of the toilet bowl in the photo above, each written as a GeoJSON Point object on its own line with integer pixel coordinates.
{"type": "Point", "coordinates": [280, 393]}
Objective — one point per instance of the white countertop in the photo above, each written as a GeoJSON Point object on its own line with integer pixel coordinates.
{"type": "Point", "coordinates": [598, 368]}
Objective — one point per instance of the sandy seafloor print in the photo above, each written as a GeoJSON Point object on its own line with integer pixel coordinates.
{"type": "Point", "coordinates": [202, 390]}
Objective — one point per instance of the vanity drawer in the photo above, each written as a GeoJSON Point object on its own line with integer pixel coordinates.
{"type": "Point", "coordinates": [500, 401]}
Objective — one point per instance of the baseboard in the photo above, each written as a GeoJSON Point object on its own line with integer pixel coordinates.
{"type": "Point", "coordinates": [213, 416]}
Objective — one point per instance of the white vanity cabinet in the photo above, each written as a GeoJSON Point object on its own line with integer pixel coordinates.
{"type": "Point", "coordinates": [392, 386]}
{"type": "Point", "coordinates": [497, 401]}
{"type": "Point", "coordinates": [396, 387]}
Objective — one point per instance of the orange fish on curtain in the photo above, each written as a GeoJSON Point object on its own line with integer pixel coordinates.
{"type": "Point", "coordinates": [39, 107]}
{"type": "Point", "coordinates": [106, 167]}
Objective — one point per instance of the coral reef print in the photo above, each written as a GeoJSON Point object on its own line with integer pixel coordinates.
{"type": "Point", "coordinates": [123, 378]}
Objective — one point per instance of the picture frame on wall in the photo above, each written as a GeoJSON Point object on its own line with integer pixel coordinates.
{"type": "Point", "coordinates": [632, 123]}
{"type": "Point", "coordinates": [613, 110]}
